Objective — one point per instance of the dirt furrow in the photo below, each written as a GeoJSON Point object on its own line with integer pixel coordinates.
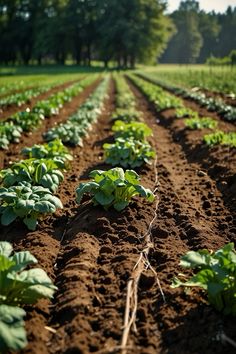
{"type": "Point", "coordinates": [192, 215]}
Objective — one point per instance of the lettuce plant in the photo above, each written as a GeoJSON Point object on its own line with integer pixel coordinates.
{"type": "Point", "coordinates": [54, 149]}
{"type": "Point", "coordinates": [78, 124]}
{"type": "Point", "coordinates": [27, 120]}
{"type": "Point", "coordinates": [184, 112]}
{"type": "Point", "coordinates": [113, 188]}
{"type": "Point", "coordinates": [128, 153]}
{"type": "Point", "coordinates": [126, 115]}
{"type": "Point", "coordinates": [27, 203]}
{"type": "Point", "coordinates": [215, 273]}
{"type": "Point", "coordinates": [9, 133]}
{"type": "Point", "coordinates": [68, 133]}
{"type": "Point", "coordinates": [220, 138]}
{"type": "Point", "coordinates": [201, 123]}
{"type": "Point", "coordinates": [43, 172]}
{"type": "Point", "coordinates": [18, 287]}
{"type": "Point", "coordinates": [137, 130]}
{"type": "Point", "coordinates": [162, 99]}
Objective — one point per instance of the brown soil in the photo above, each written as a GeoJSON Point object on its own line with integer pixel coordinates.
{"type": "Point", "coordinates": [15, 91]}
{"type": "Point", "coordinates": [7, 112]}
{"type": "Point", "coordinates": [90, 254]}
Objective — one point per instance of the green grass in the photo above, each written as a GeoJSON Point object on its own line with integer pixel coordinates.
{"type": "Point", "coordinates": [218, 79]}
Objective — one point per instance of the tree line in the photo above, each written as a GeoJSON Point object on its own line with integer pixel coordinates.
{"type": "Point", "coordinates": [83, 30]}
{"type": "Point", "coordinates": [200, 35]}
{"type": "Point", "coordinates": [124, 31]}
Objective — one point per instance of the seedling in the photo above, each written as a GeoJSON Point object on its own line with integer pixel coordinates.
{"type": "Point", "coordinates": [216, 274]}
{"type": "Point", "coordinates": [128, 153]}
{"type": "Point", "coordinates": [43, 172]}
{"type": "Point", "coordinates": [27, 203]}
{"type": "Point", "coordinates": [113, 188]}
{"type": "Point", "coordinates": [220, 138]}
{"type": "Point", "coordinates": [18, 287]}
{"type": "Point", "coordinates": [201, 123]}
{"type": "Point", "coordinates": [136, 130]}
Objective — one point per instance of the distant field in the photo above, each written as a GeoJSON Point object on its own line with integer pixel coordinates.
{"type": "Point", "coordinates": [219, 79]}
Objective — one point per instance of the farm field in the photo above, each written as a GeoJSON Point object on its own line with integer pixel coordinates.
{"type": "Point", "coordinates": [113, 260]}
{"type": "Point", "coordinates": [216, 79]}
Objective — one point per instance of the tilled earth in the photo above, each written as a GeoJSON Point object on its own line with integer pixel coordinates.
{"type": "Point", "coordinates": [90, 253]}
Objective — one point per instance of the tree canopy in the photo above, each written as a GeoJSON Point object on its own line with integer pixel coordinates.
{"type": "Point", "coordinates": [200, 35]}
{"type": "Point", "coordinates": [121, 30]}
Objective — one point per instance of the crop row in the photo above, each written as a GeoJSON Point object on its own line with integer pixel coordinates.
{"type": "Point", "coordinates": [212, 104]}
{"type": "Point", "coordinates": [26, 194]}
{"type": "Point", "coordinates": [164, 100]}
{"type": "Point", "coordinates": [24, 97]}
{"type": "Point", "coordinates": [13, 127]}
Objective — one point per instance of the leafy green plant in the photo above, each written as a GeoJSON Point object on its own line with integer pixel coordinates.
{"type": "Point", "coordinates": [162, 99]}
{"type": "Point", "coordinates": [201, 123]}
{"type": "Point", "coordinates": [47, 108]}
{"type": "Point", "coordinates": [216, 274]}
{"type": "Point", "coordinates": [184, 112]}
{"type": "Point", "coordinates": [137, 130]}
{"type": "Point", "coordinates": [43, 172]}
{"type": "Point", "coordinates": [26, 202]}
{"type": "Point", "coordinates": [113, 188]}
{"type": "Point", "coordinates": [23, 97]}
{"type": "Point", "coordinates": [128, 153]}
{"type": "Point", "coordinates": [79, 123]}
{"type": "Point", "coordinates": [27, 120]}
{"type": "Point", "coordinates": [211, 103]}
{"type": "Point", "coordinates": [54, 149]}
{"type": "Point", "coordinates": [9, 133]}
{"type": "Point", "coordinates": [220, 138]}
{"type": "Point", "coordinates": [125, 99]}
{"type": "Point", "coordinates": [68, 133]}
{"type": "Point", "coordinates": [126, 115]}
{"type": "Point", "coordinates": [12, 331]}
{"type": "Point", "coordinates": [18, 287]}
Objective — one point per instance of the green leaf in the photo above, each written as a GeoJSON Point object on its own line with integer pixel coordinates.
{"type": "Point", "coordinates": [132, 177]}
{"type": "Point", "coordinates": [5, 248]}
{"type": "Point", "coordinates": [22, 260]}
{"type": "Point", "coordinates": [31, 223]}
{"type": "Point", "coordinates": [103, 198]}
{"type": "Point", "coordinates": [5, 263]}
{"type": "Point", "coordinates": [12, 332]}
{"type": "Point", "coordinates": [85, 188]}
{"type": "Point", "coordinates": [8, 216]}
{"type": "Point", "coordinates": [120, 205]}
{"type": "Point", "coordinates": [193, 259]}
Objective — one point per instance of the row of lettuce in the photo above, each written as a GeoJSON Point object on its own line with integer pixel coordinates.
{"type": "Point", "coordinates": [210, 103]}
{"type": "Point", "coordinates": [26, 121]}
{"type": "Point", "coordinates": [8, 88]}
{"type": "Point", "coordinates": [26, 96]}
{"type": "Point", "coordinates": [164, 100]}
{"type": "Point", "coordinates": [27, 193]}
{"type": "Point", "coordinates": [130, 149]}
